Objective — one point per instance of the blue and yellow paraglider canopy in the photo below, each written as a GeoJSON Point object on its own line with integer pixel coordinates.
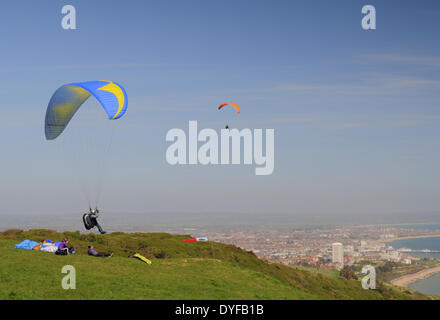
{"type": "Point", "coordinates": [66, 101]}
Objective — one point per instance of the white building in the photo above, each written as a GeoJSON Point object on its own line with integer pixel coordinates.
{"type": "Point", "coordinates": [338, 254]}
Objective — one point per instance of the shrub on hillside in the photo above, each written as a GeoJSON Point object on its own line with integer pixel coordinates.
{"type": "Point", "coordinates": [348, 274]}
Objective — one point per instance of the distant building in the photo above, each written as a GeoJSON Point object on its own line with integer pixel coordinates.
{"type": "Point", "coordinates": [387, 236]}
{"type": "Point", "coordinates": [348, 249]}
{"type": "Point", "coordinates": [338, 254]}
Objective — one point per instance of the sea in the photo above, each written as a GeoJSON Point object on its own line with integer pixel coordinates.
{"type": "Point", "coordinates": [430, 285]}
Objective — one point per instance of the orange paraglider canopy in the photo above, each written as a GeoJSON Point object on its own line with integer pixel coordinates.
{"type": "Point", "coordinates": [237, 108]}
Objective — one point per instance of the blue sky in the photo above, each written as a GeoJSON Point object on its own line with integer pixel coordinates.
{"type": "Point", "coordinates": [356, 113]}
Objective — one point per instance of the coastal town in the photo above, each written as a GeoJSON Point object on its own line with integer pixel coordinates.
{"type": "Point", "coordinates": [340, 247]}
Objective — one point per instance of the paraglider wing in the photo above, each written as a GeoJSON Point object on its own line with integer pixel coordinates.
{"type": "Point", "coordinates": [142, 258]}
{"type": "Point", "coordinates": [237, 108]}
{"type": "Point", "coordinates": [66, 101]}
{"type": "Point", "coordinates": [195, 239]}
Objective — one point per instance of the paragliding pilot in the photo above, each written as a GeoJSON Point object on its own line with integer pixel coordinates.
{"type": "Point", "coordinates": [91, 220]}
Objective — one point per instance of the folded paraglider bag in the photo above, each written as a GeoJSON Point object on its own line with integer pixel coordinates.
{"type": "Point", "coordinates": [87, 221]}
{"type": "Point", "coordinates": [62, 252]}
{"type": "Point", "coordinates": [65, 251]}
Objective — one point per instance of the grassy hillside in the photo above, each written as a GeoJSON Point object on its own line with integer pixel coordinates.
{"type": "Point", "coordinates": [196, 270]}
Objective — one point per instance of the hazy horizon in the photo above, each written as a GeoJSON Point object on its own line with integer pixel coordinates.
{"type": "Point", "coordinates": [178, 222]}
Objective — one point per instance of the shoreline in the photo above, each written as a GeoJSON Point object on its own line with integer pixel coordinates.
{"type": "Point", "coordinates": [405, 280]}
{"type": "Point", "coordinates": [412, 237]}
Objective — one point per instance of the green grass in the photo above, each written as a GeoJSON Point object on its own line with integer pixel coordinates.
{"type": "Point", "coordinates": [198, 270]}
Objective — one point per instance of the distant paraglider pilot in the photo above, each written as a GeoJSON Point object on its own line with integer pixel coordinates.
{"type": "Point", "coordinates": [91, 220]}
{"type": "Point", "coordinates": [237, 109]}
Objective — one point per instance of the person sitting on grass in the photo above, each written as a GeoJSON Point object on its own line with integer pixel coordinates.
{"type": "Point", "coordinates": [64, 249]}
{"type": "Point", "coordinates": [92, 252]}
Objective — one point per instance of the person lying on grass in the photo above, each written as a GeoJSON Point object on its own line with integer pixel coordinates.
{"type": "Point", "coordinates": [92, 252]}
{"type": "Point", "coordinates": [38, 247]}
